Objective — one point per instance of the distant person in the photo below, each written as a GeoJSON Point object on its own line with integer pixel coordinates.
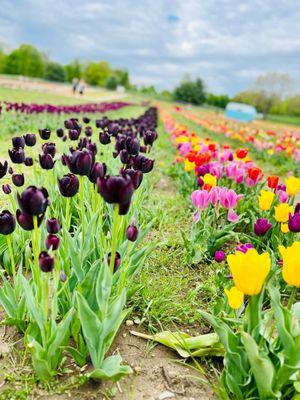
{"type": "Point", "coordinates": [75, 83]}
{"type": "Point", "coordinates": [81, 87]}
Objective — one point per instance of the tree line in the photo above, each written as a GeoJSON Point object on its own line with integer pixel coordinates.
{"type": "Point", "coordinates": [27, 60]}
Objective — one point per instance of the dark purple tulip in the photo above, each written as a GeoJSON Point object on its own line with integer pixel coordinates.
{"type": "Point", "coordinates": [18, 179]}
{"type": "Point", "coordinates": [80, 162]}
{"type": "Point", "coordinates": [33, 201]}
{"type": "Point", "coordinates": [297, 208]}
{"type": "Point", "coordinates": [74, 134]}
{"type": "Point", "coordinates": [244, 247]}
{"type": "Point", "coordinates": [26, 221]}
{"type": "Point", "coordinates": [59, 132]}
{"type": "Point", "coordinates": [200, 182]}
{"type": "Point", "coordinates": [46, 161]}
{"type": "Point", "coordinates": [28, 161]}
{"type": "Point", "coordinates": [104, 137]}
{"type": "Point", "coordinates": [262, 226]}
{"type": "Point", "coordinates": [135, 176]}
{"type": "Point", "coordinates": [98, 171]}
{"type": "Point", "coordinates": [68, 185]}
{"type": "Point", "coordinates": [143, 164]}
{"type": "Point", "coordinates": [30, 139]}
{"type": "Point", "coordinates": [294, 222]}
{"type": "Point", "coordinates": [149, 137]}
{"type": "Point", "coordinates": [45, 133]}
{"type": "Point", "coordinates": [143, 149]}
{"type": "Point", "coordinates": [3, 169]}
{"type": "Point", "coordinates": [281, 186]}
{"type": "Point", "coordinates": [133, 146]}
{"type": "Point", "coordinates": [117, 260]}
{"type": "Point", "coordinates": [88, 131]}
{"type": "Point", "coordinates": [202, 170]}
{"type": "Point", "coordinates": [86, 120]}
{"type": "Point", "coordinates": [132, 232]}
{"type": "Point", "coordinates": [113, 128]}
{"type": "Point", "coordinates": [124, 156]}
{"type": "Point", "coordinates": [18, 141]}
{"type": "Point", "coordinates": [6, 188]}
{"type": "Point", "coordinates": [46, 262]}
{"type": "Point", "coordinates": [52, 242]}
{"type": "Point", "coordinates": [117, 190]}
{"type": "Point", "coordinates": [49, 148]}
{"type": "Point", "coordinates": [10, 170]}
{"type": "Point", "coordinates": [53, 225]}
{"type": "Point", "coordinates": [219, 256]}
{"type": "Point", "coordinates": [7, 222]}
{"type": "Point", "coordinates": [17, 156]}
{"type": "Point", "coordinates": [64, 138]}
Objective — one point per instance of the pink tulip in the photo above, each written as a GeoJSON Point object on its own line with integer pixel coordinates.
{"type": "Point", "coordinates": [200, 199]}
{"type": "Point", "coordinates": [232, 216]}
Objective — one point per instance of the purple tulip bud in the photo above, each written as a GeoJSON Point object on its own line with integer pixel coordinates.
{"type": "Point", "coordinates": [262, 226]}
{"type": "Point", "coordinates": [219, 256]}
{"type": "Point", "coordinates": [68, 185]}
{"type": "Point", "coordinates": [7, 222]}
{"type": "Point", "coordinates": [52, 242]}
{"type": "Point", "coordinates": [45, 133]}
{"type": "Point", "coordinates": [124, 156]}
{"type": "Point", "coordinates": [49, 148]}
{"type": "Point", "coordinates": [46, 262]}
{"type": "Point", "coordinates": [132, 232]}
{"type": "Point", "coordinates": [104, 137]}
{"type": "Point", "coordinates": [200, 181]}
{"type": "Point", "coordinates": [30, 139]}
{"type": "Point", "coordinates": [64, 138]}
{"type": "Point", "coordinates": [118, 190]}
{"type": "Point", "coordinates": [26, 221]}
{"type": "Point", "coordinates": [17, 156]}
{"type": "Point", "coordinates": [18, 141]}
{"type": "Point", "coordinates": [46, 161]}
{"type": "Point", "coordinates": [86, 120]}
{"type": "Point", "coordinates": [244, 247]}
{"type": "Point", "coordinates": [33, 201]}
{"type": "Point", "coordinates": [88, 131]}
{"type": "Point", "coordinates": [294, 222]}
{"type": "Point", "coordinates": [74, 134]}
{"type": "Point", "coordinates": [3, 169]}
{"type": "Point", "coordinates": [53, 225]}
{"type": "Point", "coordinates": [135, 176]}
{"type": "Point", "coordinates": [6, 188]}
{"type": "Point", "coordinates": [297, 208]}
{"type": "Point", "coordinates": [18, 179]}
{"type": "Point", "coordinates": [28, 161]}
{"type": "Point", "coordinates": [149, 137]}
{"type": "Point", "coordinates": [98, 171]}
{"type": "Point", "coordinates": [117, 262]}
{"type": "Point", "coordinates": [10, 170]}
{"type": "Point", "coordinates": [143, 164]}
{"type": "Point", "coordinates": [60, 132]}
{"type": "Point", "coordinates": [80, 162]}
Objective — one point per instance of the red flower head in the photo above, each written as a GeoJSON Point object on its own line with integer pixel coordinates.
{"type": "Point", "coordinates": [241, 153]}
{"type": "Point", "coordinates": [273, 182]}
{"type": "Point", "coordinates": [255, 173]}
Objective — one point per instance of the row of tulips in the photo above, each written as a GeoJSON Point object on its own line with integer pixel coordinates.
{"type": "Point", "coordinates": [70, 257]}
{"type": "Point", "coordinates": [238, 207]}
{"type": "Point", "coordinates": [85, 108]}
{"type": "Point", "coordinates": [283, 143]}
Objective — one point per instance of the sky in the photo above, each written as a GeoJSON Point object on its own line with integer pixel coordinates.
{"type": "Point", "coordinates": [226, 42]}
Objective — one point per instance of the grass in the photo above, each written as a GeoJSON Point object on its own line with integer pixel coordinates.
{"type": "Point", "coordinates": [284, 119]}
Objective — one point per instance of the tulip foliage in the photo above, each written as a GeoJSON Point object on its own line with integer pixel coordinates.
{"type": "Point", "coordinates": [256, 221]}
{"type": "Point", "coordinates": [71, 237]}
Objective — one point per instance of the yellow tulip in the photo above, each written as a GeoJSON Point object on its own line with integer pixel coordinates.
{"type": "Point", "coordinates": [282, 212]}
{"type": "Point", "coordinates": [249, 270]}
{"type": "Point", "coordinates": [235, 297]}
{"type": "Point", "coordinates": [265, 199]}
{"type": "Point", "coordinates": [292, 185]}
{"type": "Point", "coordinates": [284, 228]}
{"type": "Point", "coordinates": [210, 179]}
{"type": "Point", "coordinates": [291, 263]}
{"type": "Point", "coordinates": [189, 166]}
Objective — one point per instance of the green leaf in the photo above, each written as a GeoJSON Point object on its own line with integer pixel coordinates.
{"type": "Point", "coordinates": [33, 306]}
{"type": "Point", "coordinates": [111, 369]}
{"type": "Point", "coordinates": [261, 366]}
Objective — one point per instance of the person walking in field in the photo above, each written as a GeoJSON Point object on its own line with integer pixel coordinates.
{"type": "Point", "coordinates": [81, 87]}
{"type": "Point", "coordinates": [75, 83]}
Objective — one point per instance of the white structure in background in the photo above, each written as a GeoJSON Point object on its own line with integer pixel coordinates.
{"type": "Point", "coordinates": [240, 112]}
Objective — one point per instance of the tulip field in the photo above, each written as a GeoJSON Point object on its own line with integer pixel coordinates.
{"type": "Point", "coordinates": [147, 251]}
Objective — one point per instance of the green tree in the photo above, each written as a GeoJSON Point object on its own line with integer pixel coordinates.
{"type": "Point", "coordinates": [97, 73]}
{"type": "Point", "coordinates": [215, 100]}
{"type": "Point", "coordinates": [55, 72]}
{"type": "Point", "coordinates": [73, 70]}
{"type": "Point", "coordinates": [2, 61]}
{"type": "Point", "coordinates": [111, 82]}
{"type": "Point", "coordinates": [122, 77]}
{"type": "Point", "coordinates": [190, 92]}
{"type": "Point", "coordinates": [26, 60]}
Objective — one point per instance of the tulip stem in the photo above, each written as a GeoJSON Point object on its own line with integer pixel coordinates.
{"type": "Point", "coordinates": [292, 298]}
{"type": "Point", "coordinates": [68, 200]}
{"type": "Point", "coordinates": [12, 259]}
{"type": "Point", "coordinates": [36, 250]}
{"type": "Point", "coordinates": [114, 238]}
{"type": "Point", "coordinates": [81, 193]}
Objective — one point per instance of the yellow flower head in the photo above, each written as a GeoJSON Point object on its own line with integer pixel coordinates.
{"type": "Point", "coordinates": [284, 228]}
{"type": "Point", "coordinates": [282, 212]}
{"type": "Point", "coordinates": [291, 263]}
{"type": "Point", "coordinates": [188, 165]}
{"type": "Point", "coordinates": [292, 185]}
{"type": "Point", "coordinates": [235, 297]}
{"type": "Point", "coordinates": [265, 199]}
{"type": "Point", "coordinates": [210, 179]}
{"type": "Point", "coordinates": [249, 270]}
